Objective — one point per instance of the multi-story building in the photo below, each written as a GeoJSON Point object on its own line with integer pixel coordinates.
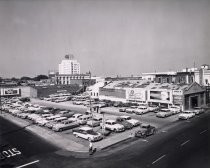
{"type": "Point", "coordinates": [202, 76]}
{"type": "Point", "coordinates": [69, 66]}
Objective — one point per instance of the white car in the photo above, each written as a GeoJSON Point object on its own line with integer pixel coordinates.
{"type": "Point", "coordinates": [41, 122]}
{"type": "Point", "coordinates": [113, 126]}
{"type": "Point", "coordinates": [141, 110]}
{"type": "Point", "coordinates": [153, 108]}
{"type": "Point", "coordinates": [87, 133]}
{"type": "Point", "coordinates": [186, 116]}
{"type": "Point", "coordinates": [198, 110]}
{"type": "Point", "coordinates": [134, 122]}
{"type": "Point", "coordinates": [175, 109]}
{"type": "Point", "coordinates": [75, 117]}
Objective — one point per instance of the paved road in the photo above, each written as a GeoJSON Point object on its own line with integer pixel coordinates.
{"type": "Point", "coordinates": [18, 146]}
{"type": "Point", "coordinates": [186, 146]}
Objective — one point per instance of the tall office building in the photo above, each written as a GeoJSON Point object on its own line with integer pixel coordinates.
{"type": "Point", "coordinates": [69, 66]}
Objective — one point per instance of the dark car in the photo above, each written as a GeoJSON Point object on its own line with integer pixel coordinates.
{"type": "Point", "coordinates": [104, 132]}
{"type": "Point", "coordinates": [123, 122]}
{"type": "Point", "coordinates": [69, 114]}
{"type": "Point", "coordinates": [143, 133]}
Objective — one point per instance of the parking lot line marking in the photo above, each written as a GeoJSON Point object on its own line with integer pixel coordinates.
{"type": "Point", "coordinates": [184, 143]}
{"type": "Point", "coordinates": [203, 131]}
{"type": "Point", "coordinates": [30, 163]}
{"type": "Point", "coordinates": [158, 159]}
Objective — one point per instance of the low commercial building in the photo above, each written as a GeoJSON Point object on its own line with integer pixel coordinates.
{"type": "Point", "coordinates": [184, 95]}
{"type": "Point", "coordinates": [10, 92]}
{"type": "Point", "coordinates": [20, 91]}
{"type": "Point", "coordinates": [80, 79]}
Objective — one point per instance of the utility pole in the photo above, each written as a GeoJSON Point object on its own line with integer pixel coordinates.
{"type": "Point", "coordinates": [0, 102]}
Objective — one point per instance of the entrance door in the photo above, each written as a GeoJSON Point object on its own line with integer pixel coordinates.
{"type": "Point", "coordinates": [194, 101]}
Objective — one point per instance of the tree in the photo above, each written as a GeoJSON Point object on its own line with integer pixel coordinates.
{"type": "Point", "coordinates": [25, 78]}
{"type": "Point", "coordinates": [40, 77]}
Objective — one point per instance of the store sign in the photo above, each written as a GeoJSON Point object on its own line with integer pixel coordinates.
{"type": "Point", "coordinates": [11, 91]}
{"type": "Point", "coordinates": [177, 92]}
{"type": "Point", "coordinates": [135, 94]}
{"type": "Point", "coordinates": [177, 99]}
{"type": "Point", "coordinates": [160, 95]}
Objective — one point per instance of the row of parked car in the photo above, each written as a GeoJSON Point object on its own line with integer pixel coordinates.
{"type": "Point", "coordinates": [162, 112]}
{"type": "Point", "coordinates": [59, 120]}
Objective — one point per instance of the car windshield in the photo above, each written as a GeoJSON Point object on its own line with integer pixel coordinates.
{"type": "Point", "coordinates": [91, 132]}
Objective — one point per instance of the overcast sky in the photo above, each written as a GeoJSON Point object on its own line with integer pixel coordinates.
{"type": "Point", "coordinates": [107, 37]}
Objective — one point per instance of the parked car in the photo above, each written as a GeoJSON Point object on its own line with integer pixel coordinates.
{"type": "Point", "coordinates": [134, 122]}
{"type": "Point", "coordinates": [75, 117]}
{"type": "Point", "coordinates": [186, 115]}
{"type": "Point", "coordinates": [113, 126]}
{"type": "Point", "coordinates": [87, 133]}
{"type": "Point", "coordinates": [175, 109]}
{"type": "Point", "coordinates": [153, 108]}
{"type": "Point", "coordinates": [164, 113]}
{"type": "Point", "coordinates": [122, 109]}
{"type": "Point", "coordinates": [62, 127]}
{"type": "Point", "coordinates": [104, 132]}
{"type": "Point", "coordinates": [141, 110]}
{"type": "Point", "coordinates": [198, 110]}
{"type": "Point", "coordinates": [143, 133]}
{"type": "Point", "coordinates": [82, 120]}
{"type": "Point", "coordinates": [50, 124]}
{"type": "Point", "coordinates": [94, 122]}
{"type": "Point", "coordinates": [126, 124]}
{"type": "Point", "coordinates": [129, 110]}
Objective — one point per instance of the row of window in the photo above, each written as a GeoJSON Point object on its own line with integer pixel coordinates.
{"type": "Point", "coordinates": [71, 77]}
{"type": "Point", "coordinates": [93, 94]}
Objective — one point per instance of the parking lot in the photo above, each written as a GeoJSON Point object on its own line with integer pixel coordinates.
{"type": "Point", "coordinates": [39, 113]}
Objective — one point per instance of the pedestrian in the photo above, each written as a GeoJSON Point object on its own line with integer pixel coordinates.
{"type": "Point", "coordinates": [90, 147]}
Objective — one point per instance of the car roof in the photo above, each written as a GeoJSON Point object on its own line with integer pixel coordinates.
{"type": "Point", "coordinates": [85, 128]}
{"type": "Point", "coordinates": [124, 116]}
{"type": "Point", "coordinates": [110, 120]}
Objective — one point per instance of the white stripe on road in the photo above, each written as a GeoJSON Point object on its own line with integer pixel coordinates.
{"type": "Point", "coordinates": [28, 164]}
{"type": "Point", "coordinates": [145, 140]}
{"type": "Point", "coordinates": [184, 143]}
{"type": "Point", "coordinates": [158, 159]}
{"type": "Point", "coordinates": [203, 131]}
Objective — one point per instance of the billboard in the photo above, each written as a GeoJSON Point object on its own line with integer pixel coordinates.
{"type": "Point", "coordinates": [177, 99]}
{"type": "Point", "coordinates": [111, 92]}
{"type": "Point", "coordinates": [160, 96]}
{"type": "Point", "coordinates": [135, 94]}
{"type": "Point", "coordinates": [10, 92]}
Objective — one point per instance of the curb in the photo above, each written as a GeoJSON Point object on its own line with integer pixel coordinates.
{"type": "Point", "coordinates": [108, 146]}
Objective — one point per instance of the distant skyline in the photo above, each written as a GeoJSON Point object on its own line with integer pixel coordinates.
{"type": "Point", "coordinates": [107, 37]}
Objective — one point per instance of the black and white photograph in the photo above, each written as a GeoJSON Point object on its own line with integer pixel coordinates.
{"type": "Point", "coordinates": [104, 83]}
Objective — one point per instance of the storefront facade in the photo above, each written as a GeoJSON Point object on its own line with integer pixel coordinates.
{"type": "Point", "coordinates": [194, 96]}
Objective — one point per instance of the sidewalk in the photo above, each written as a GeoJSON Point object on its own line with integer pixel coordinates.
{"type": "Point", "coordinates": [117, 138]}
